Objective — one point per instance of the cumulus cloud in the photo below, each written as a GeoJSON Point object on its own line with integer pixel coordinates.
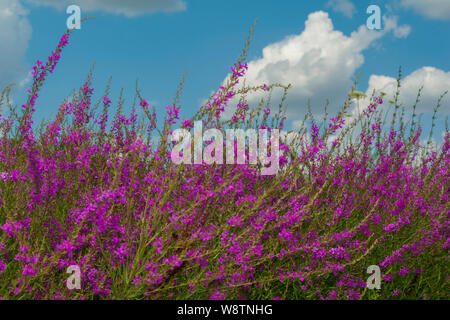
{"type": "Point", "coordinates": [391, 23]}
{"type": "Point", "coordinates": [346, 7]}
{"type": "Point", "coordinates": [129, 8]}
{"type": "Point", "coordinates": [433, 9]}
{"type": "Point", "coordinates": [15, 32]}
{"type": "Point", "coordinates": [434, 81]}
{"type": "Point", "coordinates": [319, 63]}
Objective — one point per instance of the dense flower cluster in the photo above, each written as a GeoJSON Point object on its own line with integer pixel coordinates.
{"type": "Point", "coordinates": [139, 226]}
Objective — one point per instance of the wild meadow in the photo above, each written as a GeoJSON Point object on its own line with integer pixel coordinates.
{"type": "Point", "coordinates": [90, 189]}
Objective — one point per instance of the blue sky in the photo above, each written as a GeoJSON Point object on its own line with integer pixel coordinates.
{"type": "Point", "coordinates": [317, 46]}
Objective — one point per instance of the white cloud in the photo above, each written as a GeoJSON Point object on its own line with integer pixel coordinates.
{"type": "Point", "coordinates": [15, 32]}
{"type": "Point", "coordinates": [320, 63]}
{"type": "Point", "coordinates": [402, 31]}
{"type": "Point", "coordinates": [434, 81]}
{"type": "Point", "coordinates": [391, 23]}
{"type": "Point", "coordinates": [433, 9]}
{"type": "Point", "coordinates": [129, 8]}
{"type": "Point", "coordinates": [346, 7]}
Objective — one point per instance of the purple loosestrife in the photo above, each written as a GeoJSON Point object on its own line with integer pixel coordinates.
{"type": "Point", "coordinates": [172, 112]}
{"type": "Point", "coordinates": [103, 118]}
{"type": "Point", "coordinates": [142, 228]}
{"type": "Point", "coordinates": [224, 94]}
